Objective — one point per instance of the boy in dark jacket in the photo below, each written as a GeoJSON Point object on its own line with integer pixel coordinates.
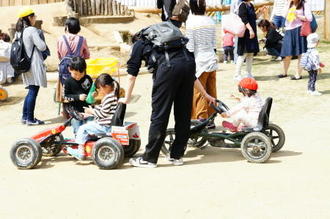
{"type": "Point", "coordinates": [76, 89]}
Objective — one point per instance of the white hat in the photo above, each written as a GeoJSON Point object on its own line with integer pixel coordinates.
{"type": "Point", "coordinates": [312, 40]}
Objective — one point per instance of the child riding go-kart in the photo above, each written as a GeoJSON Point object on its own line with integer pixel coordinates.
{"type": "Point", "coordinates": [106, 151]}
{"type": "Point", "coordinates": [256, 143]}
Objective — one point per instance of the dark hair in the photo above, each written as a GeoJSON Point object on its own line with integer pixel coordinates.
{"type": "Point", "coordinates": [300, 4]}
{"type": "Point", "coordinates": [198, 7]}
{"type": "Point", "coordinates": [266, 23]}
{"type": "Point", "coordinates": [5, 37]}
{"type": "Point", "coordinates": [105, 79]}
{"type": "Point", "coordinates": [23, 22]}
{"type": "Point", "coordinates": [72, 25]}
{"type": "Point", "coordinates": [78, 64]}
{"type": "Point", "coordinates": [246, 92]}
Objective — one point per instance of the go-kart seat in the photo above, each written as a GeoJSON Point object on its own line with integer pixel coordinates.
{"type": "Point", "coordinates": [118, 117]}
{"type": "Point", "coordinates": [263, 119]}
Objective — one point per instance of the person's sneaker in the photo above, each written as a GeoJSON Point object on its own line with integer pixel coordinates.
{"type": "Point", "coordinates": [230, 126]}
{"type": "Point", "coordinates": [309, 92]}
{"type": "Point", "coordinates": [278, 58]}
{"type": "Point", "coordinates": [23, 121]}
{"type": "Point", "coordinates": [139, 162]}
{"type": "Point", "coordinates": [225, 62]}
{"type": "Point", "coordinates": [35, 122]}
{"type": "Point", "coordinates": [77, 153]}
{"type": "Point", "coordinates": [238, 77]}
{"type": "Point", "coordinates": [315, 93]}
{"type": "Point", "coordinates": [175, 162]}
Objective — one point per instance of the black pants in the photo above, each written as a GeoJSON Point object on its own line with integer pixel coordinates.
{"type": "Point", "coordinates": [312, 80]}
{"type": "Point", "coordinates": [228, 53]}
{"type": "Point", "coordinates": [172, 84]}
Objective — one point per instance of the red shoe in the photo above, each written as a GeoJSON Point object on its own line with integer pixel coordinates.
{"type": "Point", "coordinates": [230, 126]}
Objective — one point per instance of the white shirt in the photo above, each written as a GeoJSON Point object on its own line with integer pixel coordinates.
{"type": "Point", "coordinates": [200, 30]}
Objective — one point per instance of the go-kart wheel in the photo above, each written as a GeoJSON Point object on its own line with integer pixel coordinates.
{"type": "Point", "coordinates": [3, 94]}
{"type": "Point", "coordinates": [197, 141]}
{"type": "Point", "coordinates": [276, 135]}
{"type": "Point", "coordinates": [108, 153]}
{"type": "Point", "coordinates": [26, 153]}
{"type": "Point", "coordinates": [52, 146]}
{"type": "Point", "coordinates": [132, 148]}
{"type": "Point", "coordinates": [256, 147]}
{"type": "Point", "coordinates": [168, 142]}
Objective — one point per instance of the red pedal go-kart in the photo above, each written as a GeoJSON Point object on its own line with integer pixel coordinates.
{"type": "Point", "coordinates": [107, 151]}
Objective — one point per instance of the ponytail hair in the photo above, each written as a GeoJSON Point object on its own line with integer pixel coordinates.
{"type": "Point", "coordinates": [105, 79]}
{"type": "Point", "coordinates": [23, 22]}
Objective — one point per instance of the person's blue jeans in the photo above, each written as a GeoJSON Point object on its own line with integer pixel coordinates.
{"type": "Point", "coordinates": [29, 103]}
{"type": "Point", "coordinates": [75, 123]}
{"type": "Point", "coordinates": [279, 21]}
{"type": "Point", "coordinates": [273, 52]}
{"type": "Point", "coordinates": [90, 128]}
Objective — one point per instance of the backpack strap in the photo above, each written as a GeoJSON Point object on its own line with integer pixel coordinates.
{"type": "Point", "coordinates": [67, 45]}
{"type": "Point", "coordinates": [80, 42]}
{"type": "Point", "coordinates": [167, 57]}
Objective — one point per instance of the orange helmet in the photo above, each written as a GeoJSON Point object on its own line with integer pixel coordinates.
{"type": "Point", "coordinates": [249, 83]}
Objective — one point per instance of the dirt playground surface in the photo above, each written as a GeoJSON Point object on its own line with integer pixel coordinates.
{"type": "Point", "coordinates": [213, 183]}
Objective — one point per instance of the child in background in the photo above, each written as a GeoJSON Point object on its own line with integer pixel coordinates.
{"type": "Point", "coordinates": [228, 47]}
{"type": "Point", "coordinates": [103, 113]}
{"type": "Point", "coordinates": [7, 72]}
{"type": "Point", "coordinates": [310, 61]}
{"type": "Point", "coordinates": [246, 113]}
{"type": "Point", "coordinates": [76, 89]}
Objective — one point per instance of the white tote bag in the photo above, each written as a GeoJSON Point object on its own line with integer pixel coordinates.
{"type": "Point", "coordinates": [232, 23]}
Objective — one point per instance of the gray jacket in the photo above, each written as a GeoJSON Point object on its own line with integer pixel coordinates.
{"type": "Point", "coordinates": [37, 74]}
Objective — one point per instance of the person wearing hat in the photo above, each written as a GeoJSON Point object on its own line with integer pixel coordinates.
{"type": "Point", "coordinates": [310, 61]}
{"type": "Point", "coordinates": [36, 76]}
{"type": "Point", "coordinates": [246, 113]}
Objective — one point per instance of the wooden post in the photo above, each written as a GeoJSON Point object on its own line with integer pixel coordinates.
{"type": "Point", "coordinates": [327, 20]}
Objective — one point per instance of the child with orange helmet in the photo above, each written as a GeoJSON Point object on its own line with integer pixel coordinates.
{"type": "Point", "coordinates": [246, 113]}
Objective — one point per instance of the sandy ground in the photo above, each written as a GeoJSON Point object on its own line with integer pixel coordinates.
{"type": "Point", "coordinates": [213, 183]}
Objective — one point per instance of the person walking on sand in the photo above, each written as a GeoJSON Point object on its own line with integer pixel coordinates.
{"type": "Point", "coordinates": [294, 44]}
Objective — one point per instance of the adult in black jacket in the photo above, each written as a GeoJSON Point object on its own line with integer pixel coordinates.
{"type": "Point", "coordinates": [167, 8]}
{"type": "Point", "coordinates": [173, 84]}
{"type": "Point", "coordinates": [273, 42]}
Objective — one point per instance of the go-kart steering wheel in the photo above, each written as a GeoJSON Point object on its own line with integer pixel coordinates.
{"type": "Point", "coordinates": [220, 107]}
{"type": "Point", "coordinates": [73, 113]}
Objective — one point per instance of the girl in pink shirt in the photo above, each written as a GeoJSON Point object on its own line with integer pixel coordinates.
{"type": "Point", "coordinates": [228, 47]}
{"type": "Point", "coordinates": [72, 28]}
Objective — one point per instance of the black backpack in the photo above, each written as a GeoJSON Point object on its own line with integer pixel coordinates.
{"type": "Point", "coordinates": [165, 38]}
{"type": "Point", "coordinates": [19, 60]}
{"type": "Point", "coordinates": [66, 60]}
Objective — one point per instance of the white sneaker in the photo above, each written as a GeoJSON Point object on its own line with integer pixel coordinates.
{"type": "Point", "coordinates": [278, 58]}
{"type": "Point", "coordinates": [249, 76]}
{"type": "Point", "coordinates": [232, 62]}
{"type": "Point", "coordinates": [309, 92]}
{"type": "Point", "coordinates": [315, 93]}
{"type": "Point", "coordinates": [238, 77]}
{"type": "Point", "coordinates": [225, 62]}
{"type": "Point", "coordinates": [175, 162]}
{"type": "Point", "coordinates": [139, 162]}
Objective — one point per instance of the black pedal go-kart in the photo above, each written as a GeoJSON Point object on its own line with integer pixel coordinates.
{"type": "Point", "coordinates": [256, 143]}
